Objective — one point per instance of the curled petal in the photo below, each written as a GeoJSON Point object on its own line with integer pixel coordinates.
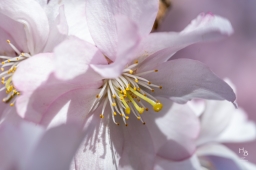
{"type": "Point", "coordinates": [185, 79]}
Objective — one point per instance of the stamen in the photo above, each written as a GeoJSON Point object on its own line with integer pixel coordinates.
{"type": "Point", "coordinates": [157, 106]}
{"type": "Point", "coordinates": [13, 47]}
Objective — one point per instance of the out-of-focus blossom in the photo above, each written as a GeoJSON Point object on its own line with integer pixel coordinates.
{"type": "Point", "coordinates": [28, 31]}
{"type": "Point", "coordinates": [222, 123]}
{"type": "Point", "coordinates": [123, 76]}
{"type": "Point", "coordinates": [25, 146]}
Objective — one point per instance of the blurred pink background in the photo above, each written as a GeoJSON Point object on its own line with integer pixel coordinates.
{"type": "Point", "coordinates": [234, 57]}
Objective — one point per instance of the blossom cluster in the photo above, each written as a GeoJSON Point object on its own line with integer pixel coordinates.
{"type": "Point", "coordinates": [87, 85]}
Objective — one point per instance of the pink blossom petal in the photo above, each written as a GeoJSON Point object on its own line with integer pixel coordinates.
{"type": "Point", "coordinates": [56, 149]}
{"type": "Point", "coordinates": [31, 15]}
{"type": "Point", "coordinates": [72, 58]}
{"type": "Point", "coordinates": [220, 157]}
{"type": "Point", "coordinates": [16, 143]}
{"type": "Point", "coordinates": [185, 79]}
{"type": "Point", "coordinates": [127, 48]}
{"type": "Point", "coordinates": [215, 119]}
{"type": "Point", "coordinates": [102, 146]}
{"type": "Point", "coordinates": [58, 31]}
{"type": "Point", "coordinates": [76, 19]}
{"type": "Point", "coordinates": [72, 106]}
{"type": "Point", "coordinates": [41, 84]}
{"type": "Point", "coordinates": [102, 25]}
{"type": "Point", "coordinates": [173, 130]}
{"type": "Point", "coordinates": [13, 31]}
{"type": "Point", "coordinates": [191, 164]}
{"type": "Point", "coordinates": [204, 28]}
{"type": "Point", "coordinates": [240, 129]}
{"type": "Point", "coordinates": [142, 12]}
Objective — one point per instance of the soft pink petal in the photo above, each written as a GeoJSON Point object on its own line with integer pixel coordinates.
{"type": "Point", "coordinates": [40, 89]}
{"type": "Point", "coordinates": [76, 19]}
{"type": "Point", "coordinates": [58, 31]}
{"type": "Point", "coordinates": [13, 31]}
{"type": "Point", "coordinates": [102, 146]}
{"type": "Point", "coordinates": [102, 25]}
{"type": "Point", "coordinates": [55, 149]}
{"type": "Point", "coordinates": [198, 106]}
{"type": "Point", "coordinates": [185, 79]}
{"type": "Point", "coordinates": [73, 58]}
{"type": "Point", "coordinates": [220, 157]}
{"type": "Point", "coordinates": [33, 18]}
{"type": "Point", "coordinates": [189, 164]}
{"type": "Point", "coordinates": [17, 141]}
{"type": "Point", "coordinates": [127, 48]}
{"type": "Point", "coordinates": [215, 120]}
{"type": "Point", "coordinates": [205, 27]}
{"type": "Point", "coordinates": [72, 106]}
{"type": "Point", "coordinates": [240, 129]}
{"type": "Point", "coordinates": [173, 130]}
{"type": "Point", "coordinates": [142, 12]}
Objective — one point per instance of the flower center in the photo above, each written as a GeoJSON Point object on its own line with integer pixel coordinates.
{"type": "Point", "coordinates": [9, 66]}
{"type": "Point", "coordinates": [126, 93]}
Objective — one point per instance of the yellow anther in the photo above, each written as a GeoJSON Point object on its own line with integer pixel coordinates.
{"type": "Point", "coordinates": [157, 106]}
{"type": "Point", "coordinates": [124, 91]}
{"type": "Point", "coordinates": [17, 58]}
{"type": "Point", "coordinates": [138, 108]}
{"type": "Point", "coordinates": [11, 104]}
{"type": "Point", "coordinates": [160, 87]}
{"type": "Point", "coordinates": [3, 62]}
{"type": "Point", "coordinates": [8, 41]}
{"type": "Point", "coordinates": [114, 104]}
{"type": "Point", "coordinates": [156, 70]}
{"type": "Point", "coordinates": [136, 80]}
{"type": "Point", "coordinates": [136, 61]}
{"type": "Point", "coordinates": [3, 78]}
{"type": "Point", "coordinates": [114, 113]}
{"type": "Point", "coordinates": [8, 61]}
{"type": "Point", "coordinates": [138, 118]}
{"type": "Point", "coordinates": [127, 110]}
{"type": "Point", "coordinates": [130, 71]}
{"type": "Point", "coordinates": [98, 96]}
{"type": "Point", "coordinates": [134, 88]}
{"type": "Point", "coordinates": [2, 69]}
{"type": "Point", "coordinates": [138, 89]}
{"type": "Point", "coordinates": [114, 96]}
{"type": "Point", "coordinates": [22, 54]}
{"type": "Point", "coordinates": [123, 114]}
{"type": "Point", "coordinates": [126, 117]}
{"type": "Point", "coordinates": [2, 82]}
{"type": "Point", "coordinates": [127, 88]}
{"type": "Point", "coordinates": [101, 116]}
{"type": "Point", "coordinates": [18, 93]}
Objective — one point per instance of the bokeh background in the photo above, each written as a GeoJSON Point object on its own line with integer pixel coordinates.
{"type": "Point", "coordinates": [234, 57]}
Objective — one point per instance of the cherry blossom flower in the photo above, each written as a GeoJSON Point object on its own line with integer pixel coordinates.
{"type": "Point", "coordinates": [222, 123]}
{"type": "Point", "coordinates": [26, 146]}
{"type": "Point", "coordinates": [25, 30]}
{"type": "Point", "coordinates": [123, 74]}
